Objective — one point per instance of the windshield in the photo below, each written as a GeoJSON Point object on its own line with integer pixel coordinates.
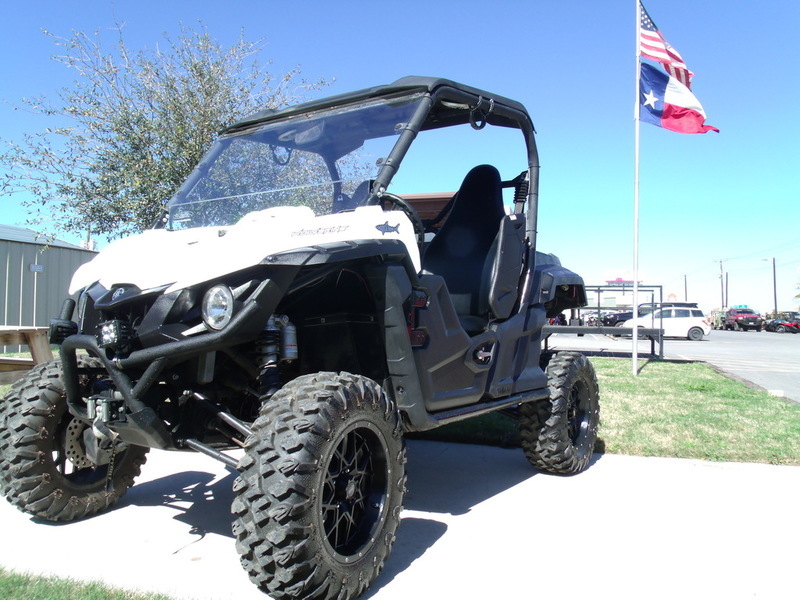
{"type": "Point", "coordinates": [322, 160]}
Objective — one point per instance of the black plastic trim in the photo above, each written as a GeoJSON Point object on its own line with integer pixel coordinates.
{"type": "Point", "coordinates": [474, 410]}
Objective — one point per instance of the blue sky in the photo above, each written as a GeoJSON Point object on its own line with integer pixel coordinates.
{"type": "Point", "coordinates": [732, 196]}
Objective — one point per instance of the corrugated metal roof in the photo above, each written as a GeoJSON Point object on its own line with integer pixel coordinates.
{"type": "Point", "coordinates": [29, 236]}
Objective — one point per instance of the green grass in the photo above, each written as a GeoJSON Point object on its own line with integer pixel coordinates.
{"type": "Point", "coordinates": [688, 410]}
{"type": "Point", "coordinates": [16, 586]}
{"type": "Point", "coordinates": [682, 410]}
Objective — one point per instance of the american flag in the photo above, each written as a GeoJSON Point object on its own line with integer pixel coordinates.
{"type": "Point", "coordinates": [655, 47]}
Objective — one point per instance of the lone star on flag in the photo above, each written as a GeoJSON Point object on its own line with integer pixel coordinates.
{"type": "Point", "coordinates": [650, 99]}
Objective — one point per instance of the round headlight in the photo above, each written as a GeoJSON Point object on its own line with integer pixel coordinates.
{"type": "Point", "coordinates": [218, 306]}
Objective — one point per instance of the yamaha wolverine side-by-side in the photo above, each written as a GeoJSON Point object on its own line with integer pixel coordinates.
{"type": "Point", "coordinates": [300, 301]}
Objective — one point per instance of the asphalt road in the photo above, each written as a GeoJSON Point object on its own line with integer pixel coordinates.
{"type": "Point", "coordinates": [770, 361]}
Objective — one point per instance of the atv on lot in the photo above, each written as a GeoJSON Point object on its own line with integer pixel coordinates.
{"type": "Point", "coordinates": [289, 304]}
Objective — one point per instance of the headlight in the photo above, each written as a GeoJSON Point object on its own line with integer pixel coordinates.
{"type": "Point", "coordinates": [218, 306]}
{"type": "Point", "coordinates": [114, 334]}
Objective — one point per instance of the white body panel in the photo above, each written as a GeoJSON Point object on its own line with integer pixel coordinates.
{"type": "Point", "coordinates": [674, 326]}
{"type": "Point", "coordinates": [187, 257]}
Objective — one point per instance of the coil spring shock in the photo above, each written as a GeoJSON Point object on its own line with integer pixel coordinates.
{"type": "Point", "coordinates": [278, 342]}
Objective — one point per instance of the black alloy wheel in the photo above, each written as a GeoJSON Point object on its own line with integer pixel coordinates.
{"type": "Point", "coordinates": [559, 433]}
{"type": "Point", "coordinates": [320, 489]}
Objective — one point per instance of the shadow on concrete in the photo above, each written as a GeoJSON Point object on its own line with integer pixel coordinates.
{"type": "Point", "coordinates": [451, 478]}
{"type": "Point", "coordinates": [446, 478]}
{"type": "Point", "coordinates": [414, 537]}
{"type": "Point", "coordinates": [199, 499]}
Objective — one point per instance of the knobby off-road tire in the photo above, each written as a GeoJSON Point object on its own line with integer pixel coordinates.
{"type": "Point", "coordinates": [44, 470]}
{"type": "Point", "coordinates": [558, 434]}
{"type": "Point", "coordinates": [320, 489]}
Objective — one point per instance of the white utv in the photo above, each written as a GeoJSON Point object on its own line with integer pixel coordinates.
{"type": "Point", "coordinates": [290, 304]}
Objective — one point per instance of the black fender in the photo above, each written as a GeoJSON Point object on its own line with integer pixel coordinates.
{"type": "Point", "coordinates": [556, 287]}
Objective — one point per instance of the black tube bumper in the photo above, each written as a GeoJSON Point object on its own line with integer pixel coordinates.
{"type": "Point", "coordinates": [143, 426]}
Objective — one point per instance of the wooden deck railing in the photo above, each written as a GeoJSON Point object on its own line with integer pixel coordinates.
{"type": "Point", "coordinates": [35, 338]}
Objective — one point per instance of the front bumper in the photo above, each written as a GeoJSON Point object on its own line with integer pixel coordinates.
{"type": "Point", "coordinates": [143, 426]}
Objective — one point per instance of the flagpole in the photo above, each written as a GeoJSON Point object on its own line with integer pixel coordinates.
{"type": "Point", "coordinates": [634, 334]}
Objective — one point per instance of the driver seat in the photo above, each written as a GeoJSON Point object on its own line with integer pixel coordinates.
{"type": "Point", "coordinates": [463, 250]}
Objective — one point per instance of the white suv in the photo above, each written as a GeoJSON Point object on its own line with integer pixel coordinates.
{"type": "Point", "coordinates": [690, 323]}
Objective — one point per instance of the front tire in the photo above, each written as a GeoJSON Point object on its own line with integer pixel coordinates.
{"type": "Point", "coordinates": [44, 469]}
{"type": "Point", "coordinates": [558, 434]}
{"type": "Point", "coordinates": [321, 486]}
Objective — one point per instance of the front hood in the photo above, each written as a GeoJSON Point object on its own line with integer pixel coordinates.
{"type": "Point", "coordinates": [180, 259]}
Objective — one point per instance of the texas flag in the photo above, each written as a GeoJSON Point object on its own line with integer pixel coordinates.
{"type": "Point", "coordinates": [667, 103]}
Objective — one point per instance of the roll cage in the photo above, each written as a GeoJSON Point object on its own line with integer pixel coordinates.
{"type": "Point", "coordinates": [444, 103]}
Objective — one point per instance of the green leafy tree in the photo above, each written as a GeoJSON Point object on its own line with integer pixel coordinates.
{"type": "Point", "coordinates": [134, 123]}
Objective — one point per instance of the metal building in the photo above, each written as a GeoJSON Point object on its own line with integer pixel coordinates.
{"type": "Point", "coordinates": [35, 272]}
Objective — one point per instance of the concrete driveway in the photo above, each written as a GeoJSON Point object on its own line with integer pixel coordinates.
{"type": "Point", "coordinates": [479, 523]}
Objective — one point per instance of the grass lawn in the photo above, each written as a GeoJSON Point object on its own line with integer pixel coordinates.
{"type": "Point", "coordinates": [688, 410]}
{"type": "Point", "coordinates": [16, 586]}
{"type": "Point", "coordinates": [682, 410]}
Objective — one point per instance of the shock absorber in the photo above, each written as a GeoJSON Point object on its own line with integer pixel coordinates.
{"type": "Point", "coordinates": [278, 342]}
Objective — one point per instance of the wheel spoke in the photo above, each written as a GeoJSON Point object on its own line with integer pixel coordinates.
{"type": "Point", "coordinates": [575, 414]}
{"type": "Point", "coordinates": [347, 488]}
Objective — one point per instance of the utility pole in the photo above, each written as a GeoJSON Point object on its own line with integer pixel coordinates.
{"type": "Point", "coordinates": [685, 289]}
{"type": "Point", "coordinates": [721, 285]}
{"type": "Point", "coordinates": [727, 298]}
{"type": "Point", "coordinates": [774, 288]}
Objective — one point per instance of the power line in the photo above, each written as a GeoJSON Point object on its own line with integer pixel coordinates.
{"type": "Point", "coordinates": [772, 249]}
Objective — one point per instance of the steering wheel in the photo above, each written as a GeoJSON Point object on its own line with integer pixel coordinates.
{"type": "Point", "coordinates": [410, 212]}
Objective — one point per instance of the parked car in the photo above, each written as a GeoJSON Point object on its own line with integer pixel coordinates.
{"type": "Point", "coordinates": [740, 318]}
{"type": "Point", "coordinates": [688, 323]}
{"type": "Point", "coordinates": [618, 319]}
{"type": "Point", "coordinates": [788, 322]}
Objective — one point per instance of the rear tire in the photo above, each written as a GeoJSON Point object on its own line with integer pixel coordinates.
{"type": "Point", "coordinates": [558, 434]}
{"type": "Point", "coordinates": [44, 470]}
{"type": "Point", "coordinates": [695, 334]}
{"type": "Point", "coordinates": [321, 486]}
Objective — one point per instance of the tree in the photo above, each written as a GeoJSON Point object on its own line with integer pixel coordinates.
{"type": "Point", "coordinates": [133, 125]}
